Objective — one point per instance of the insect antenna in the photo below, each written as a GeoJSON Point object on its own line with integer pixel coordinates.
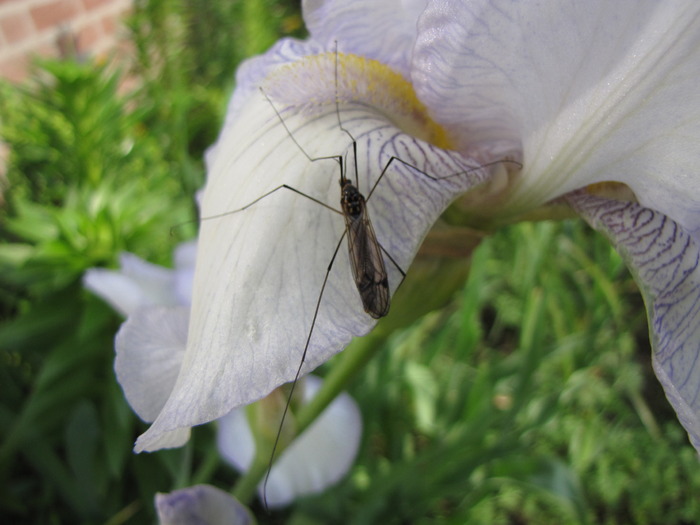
{"type": "Point", "coordinates": [340, 123]}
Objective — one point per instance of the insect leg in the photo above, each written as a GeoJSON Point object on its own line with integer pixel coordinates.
{"type": "Point", "coordinates": [301, 364]}
{"type": "Point", "coordinates": [432, 177]}
{"type": "Point", "coordinates": [337, 158]}
{"type": "Point", "coordinates": [403, 274]}
{"type": "Point", "coordinates": [280, 187]}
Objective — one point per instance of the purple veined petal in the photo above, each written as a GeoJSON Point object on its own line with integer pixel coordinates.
{"type": "Point", "coordinates": [385, 31]}
{"type": "Point", "coordinates": [594, 91]}
{"type": "Point", "coordinates": [664, 259]}
{"type": "Point", "coordinates": [317, 459]}
{"type": "Point", "coordinates": [201, 505]}
{"type": "Point", "coordinates": [251, 73]}
{"type": "Point", "coordinates": [260, 271]}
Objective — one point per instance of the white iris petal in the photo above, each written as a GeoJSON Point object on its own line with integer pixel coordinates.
{"type": "Point", "coordinates": [594, 91]}
{"type": "Point", "coordinates": [136, 284]}
{"type": "Point", "coordinates": [149, 347]}
{"type": "Point", "coordinates": [139, 283]}
{"type": "Point", "coordinates": [260, 271]}
{"type": "Point", "coordinates": [581, 92]}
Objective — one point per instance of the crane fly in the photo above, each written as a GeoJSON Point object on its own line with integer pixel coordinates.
{"type": "Point", "coordinates": [365, 252]}
{"type": "Point", "coordinates": [365, 257]}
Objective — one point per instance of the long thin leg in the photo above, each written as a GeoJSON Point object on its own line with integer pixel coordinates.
{"type": "Point", "coordinates": [337, 158]}
{"type": "Point", "coordinates": [301, 364]}
{"type": "Point", "coordinates": [403, 274]}
{"type": "Point", "coordinates": [340, 123]}
{"type": "Point", "coordinates": [431, 177]}
{"type": "Point", "coordinates": [280, 187]}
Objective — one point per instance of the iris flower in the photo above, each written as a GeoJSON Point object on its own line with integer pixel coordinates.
{"type": "Point", "coordinates": [566, 105]}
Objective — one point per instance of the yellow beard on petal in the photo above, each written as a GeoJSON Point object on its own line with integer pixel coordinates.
{"type": "Point", "coordinates": [314, 83]}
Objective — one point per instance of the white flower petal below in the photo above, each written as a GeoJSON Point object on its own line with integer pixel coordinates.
{"type": "Point", "coordinates": [184, 258]}
{"type": "Point", "coordinates": [155, 281]}
{"type": "Point", "coordinates": [150, 346]}
{"type": "Point", "coordinates": [201, 505]}
{"type": "Point", "coordinates": [665, 262]}
{"type": "Point", "coordinates": [317, 459]}
{"type": "Point", "coordinates": [137, 283]}
{"type": "Point", "coordinates": [121, 292]}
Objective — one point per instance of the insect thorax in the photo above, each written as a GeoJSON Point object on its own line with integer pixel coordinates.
{"type": "Point", "coordinates": [351, 200]}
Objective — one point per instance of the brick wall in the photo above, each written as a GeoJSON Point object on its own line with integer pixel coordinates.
{"type": "Point", "coordinates": [56, 28]}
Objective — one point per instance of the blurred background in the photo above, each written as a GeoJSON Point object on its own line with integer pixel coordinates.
{"type": "Point", "coordinates": [529, 398]}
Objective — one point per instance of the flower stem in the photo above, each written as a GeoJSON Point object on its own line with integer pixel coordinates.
{"type": "Point", "coordinates": [350, 361]}
{"type": "Point", "coordinates": [244, 491]}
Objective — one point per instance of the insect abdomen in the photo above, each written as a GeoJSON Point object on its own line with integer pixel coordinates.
{"type": "Point", "coordinates": [366, 259]}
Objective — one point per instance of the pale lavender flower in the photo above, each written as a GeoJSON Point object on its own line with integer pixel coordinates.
{"type": "Point", "coordinates": [139, 283]}
{"type": "Point", "coordinates": [151, 342]}
{"type": "Point", "coordinates": [201, 505]}
{"type": "Point", "coordinates": [580, 92]}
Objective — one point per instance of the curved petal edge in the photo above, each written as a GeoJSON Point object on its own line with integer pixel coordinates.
{"type": "Point", "coordinates": [664, 260]}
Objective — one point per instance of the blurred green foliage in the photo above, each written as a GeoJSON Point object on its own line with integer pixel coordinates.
{"type": "Point", "coordinates": [528, 399]}
{"type": "Point", "coordinates": [101, 161]}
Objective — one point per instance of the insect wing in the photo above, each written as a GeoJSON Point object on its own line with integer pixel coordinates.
{"type": "Point", "coordinates": [367, 264]}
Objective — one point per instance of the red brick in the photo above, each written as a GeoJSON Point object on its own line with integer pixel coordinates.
{"type": "Point", "coordinates": [14, 68]}
{"type": "Point", "coordinates": [88, 36]}
{"type": "Point", "coordinates": [109, 24]}
{"type": "Point", "coordinates": [114, 24]}
{"type": "Point", "coordinates": [92, 4]}
{"type": "Point", "coordinates": [46, 49]}
{"type": "Point", "coordinates": [16, 27]}
{"type": "Point", "coordinates": [54, 13]}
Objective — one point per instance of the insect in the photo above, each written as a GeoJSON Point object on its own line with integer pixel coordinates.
{"type": "Point", "coordinates": [364, 250]}
{"type": "Point", "coordinates": [367, 263]}
{"type": "Point", "coordinates": [367, 257]}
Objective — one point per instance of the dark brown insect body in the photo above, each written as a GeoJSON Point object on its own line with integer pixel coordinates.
{"type": "Point", "coordinates": [366, 258]}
